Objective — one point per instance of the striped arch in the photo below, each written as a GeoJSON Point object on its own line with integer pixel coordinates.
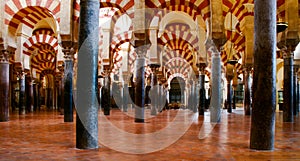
{"type": "Point", "coordinates": [122, 6]}
{"type": "Point", "coordinates": [117, 62]}
{"type": "Point", "coordinates": [281, 9]}
{"type": "Point", "coordinates": [30, 12]}
{"type": "Point", "coordinates": [36, 40]}
{"type": "Point", "coordinates": [193, 8]}
{"type": "Point", "coordinates": [238, 40]}
{"type": "Point", "coordinates": [47, 66]}
{"type": "Point", "coordinates": [178, 65]}
{"type": "Point", "coordinates": [119, 39]}
{"type": "Point", "coordinates": [186, 36]}
{"type": "Point", "coordinates": [175, 54]}
{"type": "Point", "coordinates": [43, 31]}
{"type": "Point", "coordinates": [173, 27]}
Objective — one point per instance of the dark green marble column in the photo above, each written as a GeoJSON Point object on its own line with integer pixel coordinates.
{"type": "Point", "coordinates": [86, 103]}
{"type": "Point", "coordinates": [22, 105]}
{"type": "Point", "coordinates": [288, 88]}
{"type": "Point", "coordinates": [264, 76]}
{"type": "Point", "coordinates": [4, 86]}
{"type": "Point", "coordinates": [68, 84]}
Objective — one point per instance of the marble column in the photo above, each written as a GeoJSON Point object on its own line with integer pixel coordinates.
{"type": "Point", "coordinates": [215, 103]}
{"type": "Point", "coordinates": [22, 105]}
{"type": "Point", "coordinates": [154, 89]}
{"type": "Point", "coordinates": [105, 98]}
{"type": "Point", "coordinates": [86, 103]}
{"type": "Point", "coordinates": [61, 70]}
{"type": "Point", "coordinates": [194, 96]}
{"type": "Point", "coordinates": [247, 90]}
{"type": "Point", "coordinates": [288, 88]}
{"type": "Point", "coordinates": [295, 91]}
{"type": "Point", "coordinates": [68, 84]}
{"type": "Point", "coordinates": [29, 93]}
{"type": "Point", "coordinates": [4, 86]}
{"type": "Point", "coordinates": [264, 76]}
{"type": "Point", "coordinates": [229, 96]}
{"type": "Point", "coordinates": [139, 87]}
{"type": "Point", "coordinates": [202, 97]}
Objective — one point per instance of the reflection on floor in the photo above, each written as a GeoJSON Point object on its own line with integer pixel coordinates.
{"type": "Point", "coordinates": [44, 136]}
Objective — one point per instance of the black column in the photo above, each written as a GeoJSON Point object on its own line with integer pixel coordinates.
{"type": "Point", "coordinates": [202, 97]}
{"type": "Point", "coordinates": [22, 105]}
{"type": "Point", "coordinates": [139, 87]}
{"type": "Point", "coordinates": [106, 98]}
{"type": "Point", "coordinates": [4, 86]}
{"type": "Point", "coordinates": [86, 103]}
{"type": "Point", "coordinates": [295, 92]}
{"type": "Point", "coordinates": [68, 85]}
{"type": "Point", "coordinates": [229, 108]}
{"type": "Point", "coordinates": [288, 88]}
{"type": "Point", "coordinates": [264, 76]}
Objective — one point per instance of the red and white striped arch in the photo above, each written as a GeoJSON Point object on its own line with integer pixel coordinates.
{"type": "Point", "coordinates": [36, 40]}
{"type": "Point", "coordinates": [46, 66]}
{"type": "Point", "coordinates": [192, 7]}
{"type": "Point", "coordinates": [117, 62]}
{"type": "Point", "coordinates": [178, 65]}
{"type": "Point", "coordinates": [186, 36]}
{"type": "Point", "coordinates": [119, 39]}
{"type": "Point", "coordinates": [47, 71]}
{"type": "Point", "coordinates": [122, 5]}
{"type": "Point", "coordinates": [175, 54]}
{"type": "Point", "coordinates": [30, 12]}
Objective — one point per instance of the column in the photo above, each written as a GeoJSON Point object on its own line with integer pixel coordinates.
{"type": "Point", "coordinates": [264, 76]}
{"type": "Point", "coordinates": [215, 103]}
{"type": "Point", "coordinates": [247, 90]}
{"type": "Point", "coordinates": [29, 93]}
{"type": "Point", "coordinates": [139, 86]}
{"type": "Point", "coordinates": [86, 103]}
{"type": "Point", "coordinates": [295, 90]}
{"type": "Point", "coordinates": [229, 76]}
{"type": "Point", "coordinates": [154, 89]}
{"type": "Point", "coordinates": [58, 91]}
{"type": "Point", "coordinates": [61, 69]}
{"type": "Point", "coordinates": [194, 96]}
{"type": "Point", "coordinates": [4, 86]}
{"type": "Point", "coordinates": [229, 107]}
{"type": "Point", "coordinates": [288, 88]}
{"type": "Point", "coordinates": [68, 84]}
{"type": "Point", "coordinates": [202, 97]}
{"type": "Point", "coordinates": [105, 98]}
{"type": "Point", "coordinates": [22, 105]}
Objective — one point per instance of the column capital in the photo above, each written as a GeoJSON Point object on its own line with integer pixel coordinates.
{"type": "Point", "coordinates": [69, 53]}
{"type": "Point", "coordinates": [201, 67]}
{"type": "Point", "coordinates": [4, 56]}
{"type": "Point", "coordinates": [154, 67]}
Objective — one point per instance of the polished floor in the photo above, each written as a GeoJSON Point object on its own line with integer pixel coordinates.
{"type": "Point", "coordinates": [44, 136]}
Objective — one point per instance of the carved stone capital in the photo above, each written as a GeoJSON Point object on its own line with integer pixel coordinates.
{"type": "Point", "coordinates": [4, 56]}
{"type": "Point", "coordinates": [69, 53]}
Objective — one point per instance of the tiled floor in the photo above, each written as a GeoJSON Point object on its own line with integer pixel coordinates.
{"type": "Point", "coordinates": [44, 136]}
